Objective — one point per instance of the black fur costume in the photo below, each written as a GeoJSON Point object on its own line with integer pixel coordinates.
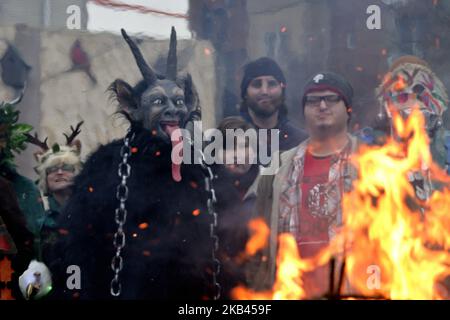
{"type": "Point", "coordinates": [168, 259]}
{"type": "Point", "coordinates": [168, 251]}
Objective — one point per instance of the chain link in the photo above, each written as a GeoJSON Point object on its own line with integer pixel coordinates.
{"type": "Point", "coordinates": [212, 200]}
{"type": "Point", "coordinates": [124, 172]}
{"type": "Point", "coordinates": [213, 234]}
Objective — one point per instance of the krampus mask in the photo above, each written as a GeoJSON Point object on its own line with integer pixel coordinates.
{"type": "Point", "coordinates": [159, 104]}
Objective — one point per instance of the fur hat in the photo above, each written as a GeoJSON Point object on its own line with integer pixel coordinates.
{"type": "Point", "coordinates": [56, 155]}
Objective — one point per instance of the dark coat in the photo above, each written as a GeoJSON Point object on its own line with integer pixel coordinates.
{"type": "Point", "coordinates": [168, 248]}
{"type": "Point", "coordinates": [234, 213]}
{"type": "Point", "coordinates": [289, 135]}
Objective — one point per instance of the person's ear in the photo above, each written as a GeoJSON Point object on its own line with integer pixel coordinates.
{"type": "Point", "coordinates": [124, 94]}
{"type": "Point", "coordinates": [77, 144]}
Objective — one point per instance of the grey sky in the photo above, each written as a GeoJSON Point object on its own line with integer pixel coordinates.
{"type": "Point", "coordinates": [152, 25]}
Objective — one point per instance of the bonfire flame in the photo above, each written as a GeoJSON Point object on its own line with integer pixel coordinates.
{"type": "Point", "coordinates": [289, 275]}
{"type": "Point", "coordinates": [259, 233]}
{"type": "Point", "coordinates": [407, 239]}
{"type": "Point", "coordinates": [395, 245]}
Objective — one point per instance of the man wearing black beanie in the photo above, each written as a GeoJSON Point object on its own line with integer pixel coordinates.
{"type": "Point", "coordinates": [263, 101]}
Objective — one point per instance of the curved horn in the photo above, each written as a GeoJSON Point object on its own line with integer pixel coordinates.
{"type": "Point", "coordinates": [171, 67]}
{"type": "Point", "coordinates": [19, 98]}
{"type": "Point", "coordinates": [147, 72]}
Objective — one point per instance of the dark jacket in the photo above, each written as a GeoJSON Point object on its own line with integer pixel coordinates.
{"type": "Point", "coordinates": [49, 232]}
{"type": "Point", "coordinates": [234, 213]}
{"type": "Point", "coordinates": [289, 135]}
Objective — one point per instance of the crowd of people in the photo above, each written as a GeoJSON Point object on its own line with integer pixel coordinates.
{"type": "Point", "coordinates": [159, 223]}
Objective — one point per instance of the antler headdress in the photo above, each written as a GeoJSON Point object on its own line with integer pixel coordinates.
{"type": "Point", "coordinates": [57, 154]}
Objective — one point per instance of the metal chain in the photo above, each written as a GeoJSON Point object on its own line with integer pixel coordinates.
{"type": "Point", "coordinates": [124, 171]}
{"type": "Point", "coordinates": [212, 200]}
{"type": "Point", "coordinates": [213, 229]}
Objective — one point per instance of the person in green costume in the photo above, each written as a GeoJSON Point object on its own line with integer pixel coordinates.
{"type": "Point", "coordinates": [57, 167]}
{"type": "Point", "coordinates": [13, 140]}
{"type": "Point", "coordinates": [21, 210]}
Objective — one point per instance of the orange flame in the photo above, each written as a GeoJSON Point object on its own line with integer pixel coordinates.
{"type": "Point", "coordinates": [143, 225]}
{"type": "Point", "coordinates": [289, 280]}
{"type": "Point", "coordinates": [400, 84]}
{"type": "Point", "coordinates": [395, 246]}
{"type": "Point", "coordinates": [407, 239]}
{"type": "Point", "coordinates": [259, 233]}
{"type": "Point", "coordinates": [290, 267]}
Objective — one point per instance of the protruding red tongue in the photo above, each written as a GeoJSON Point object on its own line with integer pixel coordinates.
{"type": "Point", "coordinates": [169, 129]}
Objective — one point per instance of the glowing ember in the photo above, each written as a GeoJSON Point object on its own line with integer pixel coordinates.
{"type": "Point", "coordinates": [63, 232]}
{"type": "Point", "coordinates": [207, 51]}
{"type": "Point", "coordinates": [146, 253]}
{"type": "Point", "coordinates": [143, 226]}
{"type": "Point", "coordinates": [193, 184]}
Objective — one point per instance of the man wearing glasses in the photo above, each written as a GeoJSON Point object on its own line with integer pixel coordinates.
{"type": "Point", "coordinates": [59, 182]}
{"type": "Point", "coordinates": [303, 197]}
